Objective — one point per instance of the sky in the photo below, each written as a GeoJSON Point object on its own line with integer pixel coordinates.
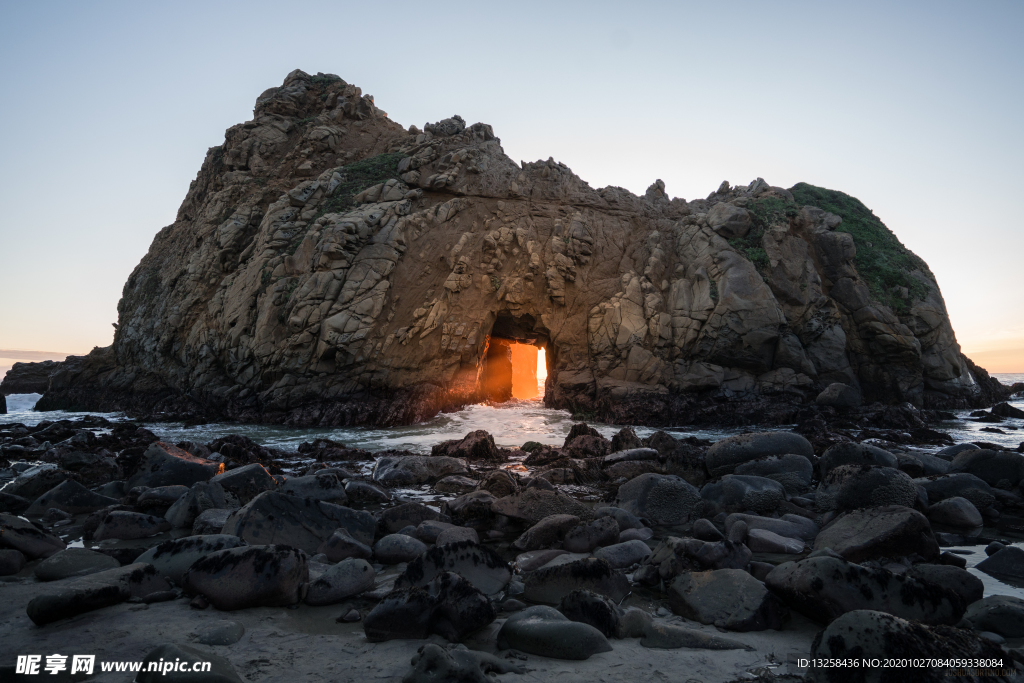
{"type": "Point", "coordinates": [915, 108]}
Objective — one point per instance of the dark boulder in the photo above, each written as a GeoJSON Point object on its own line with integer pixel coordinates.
{"type": "Point", "coordinates": [249, 576]}
{"type": "Point", "coordinates": [304, 523]}
{"type": "Point", "coordinates": [475, 446]}
{"type": "Point", "coordinates": [449, 606]}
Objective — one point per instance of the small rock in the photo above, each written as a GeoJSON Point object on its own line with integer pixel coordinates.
{"type": "Point", "coordinates": [219, 633]}
{"type": "Point", "coordinates": [704, 530]}
{"type": "Point", "coordinates": [672, 637]}
{"type": "Point", "coordinates": [434, 664]}
{"type": "Point", "coordinates": [725, 455]}
{"type": "Point", "coordinates": [87, 593]}
{"type": "Point", "coordinates": [456, 534]}
{"type": "Point", "coordinates": [210, 521]}
{"type": "Point", "coordinates": [872, 533]}
{"type": "Point", "coordinates": [764, 541]}
{"type": "Point", "coordinates": [663, 499]}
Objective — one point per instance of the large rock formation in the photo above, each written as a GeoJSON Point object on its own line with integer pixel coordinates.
{"type": "Point", "coordinates": [329, 266]}
{"type": "Point", "coordinates": [28, 378]}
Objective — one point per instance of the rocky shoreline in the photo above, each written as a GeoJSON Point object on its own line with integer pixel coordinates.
{"type": "Point", "coordinates": [591, 560]}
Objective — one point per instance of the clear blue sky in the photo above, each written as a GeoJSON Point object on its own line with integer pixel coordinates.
{"type": "Point", "coordinates": [915, 108]}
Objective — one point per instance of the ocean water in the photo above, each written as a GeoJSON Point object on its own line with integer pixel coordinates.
{"type": "Point", "coordinates": [512, 424]}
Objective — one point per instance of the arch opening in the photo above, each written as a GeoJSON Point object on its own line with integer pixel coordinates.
{"type": "Point", "coordinates": [515, 362]}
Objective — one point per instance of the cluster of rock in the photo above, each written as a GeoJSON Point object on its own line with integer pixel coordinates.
{"type": "Point", "coordinates": [738, 534]}
{"type": "Point", "coordinates": [329, 266]}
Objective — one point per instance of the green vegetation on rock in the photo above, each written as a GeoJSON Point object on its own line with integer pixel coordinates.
{"type": "Point", "coordinates": [359, 176]}
{"type": "Point", "coordinates": [882, 260]}
{"type": "Point", "coordinates": [765, 213]}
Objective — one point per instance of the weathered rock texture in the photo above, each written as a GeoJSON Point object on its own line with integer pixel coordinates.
{"type": "Point", "coordinates": [329, 266]}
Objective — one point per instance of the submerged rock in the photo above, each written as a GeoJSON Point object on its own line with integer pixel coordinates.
{"type": "Point", "coordinates": [1007, 562]}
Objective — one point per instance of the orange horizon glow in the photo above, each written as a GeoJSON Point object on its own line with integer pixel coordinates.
{"type": "Point", "coordinates": [529, 371]}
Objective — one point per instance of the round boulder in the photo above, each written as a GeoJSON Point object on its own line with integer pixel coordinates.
{"type": "Point", "coordinates": [724, 456]}
{"type": "Point", "coordinates": [739, 493]}
{"type": "Point", "coordinates": [663, 499]}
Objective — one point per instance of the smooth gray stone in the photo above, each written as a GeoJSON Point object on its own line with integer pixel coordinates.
{"type": "Point", "coordinates": [94, 591]}
{"type": "Point", "coordinates": [1002, 614]}
{"type": "Point", "coordinates": [251, 576]}
{"type": "Point", "coordinates": [73, 562]}
{"type": "Point", "coordinates": [622, 555]}
{"type": "Point", "coordinates": [398, 548]}
{"type": "Point", "coordinates": [1007, 562]}
{"type": "Point", "coordinates": [33, 542]}
{"type": "Point", "coordinates": [546, 632]}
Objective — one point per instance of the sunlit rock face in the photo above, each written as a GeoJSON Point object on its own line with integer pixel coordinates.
{"type": "Point", "coordinates": [329, 266]}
